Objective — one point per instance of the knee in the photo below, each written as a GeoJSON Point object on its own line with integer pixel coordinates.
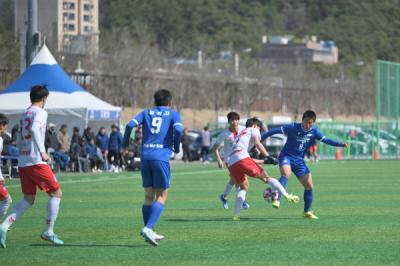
{"type": "Point", "coordinates": [57, 193]}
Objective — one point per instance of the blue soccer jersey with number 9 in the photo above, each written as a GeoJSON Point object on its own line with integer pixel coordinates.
{"type": "Point", "coordinates": [159, 124]}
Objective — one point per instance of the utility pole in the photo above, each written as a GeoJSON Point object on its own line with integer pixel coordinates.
{"type": "Point", "coordinates": [33, 36]}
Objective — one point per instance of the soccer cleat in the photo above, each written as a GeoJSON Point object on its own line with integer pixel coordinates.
{"type": "Point", "coordinates": [3, 237]}
{"type": "Point", "coordinates": [276, 204]}
{"type": "Point", "coordinates": [267, 194]}
{"type": "Point", "coordinates": [158, 237]}
{"type": "Point", "coordinates": [149, 236]}
{"type": "Point", "coordinates": [292, 198]}
{"type": "Point", "coordinates": [51, 238]}
{"type": "Point", "coordinates": [224, 202]}
{"type": "Point", "coordinates": [310, 215]}
{"type": "Point", "coordinates": [236, 218]}
{"type": "Point", "coordinates": [245, 205]}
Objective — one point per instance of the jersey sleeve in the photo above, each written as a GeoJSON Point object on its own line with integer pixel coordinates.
{"type": "Point", "coordinates": [277, 130]}
{"type": "Point", "coordinates": [221, 137]}
{"type": "Point", "coordinates": [128, 129]}
{"type": "Point", "coordinates": [38, 124]}
{"type": "Point", "coordinates": [319, 135]}
{"type": "Point", "coordinates": [1, 150]}
{"type": "Point", "coordinates": [178, 130]}
{"type": "Point", "coordinates": [287, 128]}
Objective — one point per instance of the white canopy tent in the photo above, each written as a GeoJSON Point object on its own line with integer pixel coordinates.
{"type": "Point", "coordinates": [68, 103]}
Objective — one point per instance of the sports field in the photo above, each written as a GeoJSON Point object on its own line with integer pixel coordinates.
{"type": "Point", "coordinates": [358, 204]}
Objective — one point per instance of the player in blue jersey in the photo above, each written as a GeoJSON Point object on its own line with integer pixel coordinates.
{"type": "Point", "coordinates": [291, 157]}
{"type": "Point", "coordinates": [162, 132]}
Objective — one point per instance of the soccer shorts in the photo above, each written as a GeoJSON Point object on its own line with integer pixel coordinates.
{"type": "Point", "coordinates": [313, 148]}
{"type": "Point", "coordinates": [298, 166]}
{"type": "Point", "coordinates": [244, 167]}
{"type": "Point", "coordinates": [39, 175]}
{"type": "Point", "coordinates": [155, 174]}
{"type": "Point", "coordinates": [3, 191]}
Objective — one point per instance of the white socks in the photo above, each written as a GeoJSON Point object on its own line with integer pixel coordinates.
{"type": "Point", "coordinates": [228, 189]}
{"type": "Point", "coordinates": [53, 206]}
{"type": "Point", "coordinates": [277, 186]}
{"type": "Point", "coordinates": [241, 196]}
{"type": "Point", "coordinates": [4, 205]}
{"type": "Point", "coordinates": [17, 211]}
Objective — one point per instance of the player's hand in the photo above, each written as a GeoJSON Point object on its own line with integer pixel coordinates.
{"type": "Point", "coordinates": [45, 156]}
{"type": "Point", "coordinates": [346, 145]}
{"type": "Point", "coordinates": [220, 164]}
{"type": "Point", "coordinates": [270, 160]}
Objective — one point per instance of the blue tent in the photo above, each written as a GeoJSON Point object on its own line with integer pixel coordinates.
{"type": "Point", "coordinates": [68, 103]}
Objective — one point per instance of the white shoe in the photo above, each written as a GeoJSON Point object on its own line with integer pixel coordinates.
{"type": "Point", "coordinates": [149, 236]}
{"type": "Point", "coordinates": [158, 237]}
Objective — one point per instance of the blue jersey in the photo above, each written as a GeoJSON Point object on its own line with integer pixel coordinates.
{"type": "Point", "coordinates": [298, 140]}
{"type": "Point", "coordinates": [162, 131]}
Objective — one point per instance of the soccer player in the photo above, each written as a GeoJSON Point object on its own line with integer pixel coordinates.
{"type": "Point", "coordinates": [291, 158]}
{"type": "Point", "coordinates": [241, 164]}
{"type": "Point", "coordinates": [162, 132]}
{"type": "Point", "coordinates": [5, 198]}
{"type": "Point", "coordinates": [33, 170]}
{"type": "Point", "coordinates": [226, 138]}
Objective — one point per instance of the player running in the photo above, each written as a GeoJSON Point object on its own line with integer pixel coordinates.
{"type": "Point", "coordinates": [5, 198]}
{"type": "Point", "coordinates": [33, 170]}
{"type": "Point", "coordinates": [226, 138]}
{"type": "Point", "coordinates": [241, 164]}
{"type": "Point", "coordinates": [162, 131]}
{"type": "Point", "coordinates": [291, 158]}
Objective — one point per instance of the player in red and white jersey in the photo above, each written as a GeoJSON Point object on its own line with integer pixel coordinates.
{"type": "Point", "coordinates": [33, 170]}
{"type": "Point", "coordinates": [241, 164]}
{"type": "Point", "coordinates": [5, 198]}
{"type": "Point", "coordinates": [225, 139]}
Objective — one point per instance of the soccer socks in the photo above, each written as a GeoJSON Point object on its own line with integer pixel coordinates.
{"type": "Point", "coordinates": [240, 197]}
{"type": "Point", "coordinates": [228, 190]}
{"type": "Point", "coordinates": [4, 205]}
{"type": "Point", "coordinates": [19, 209]}
{"type": "Point", "coordinates": [53, 206]}
{"type": "Point", "coordinates": [146, 211]}
{"type": "Point", "coordinates": [277, 186]}
{"type": "Point", "coordinates": [156, 210]}
{"type": "Point", "coordinates": [283, 180]}
{"type": "Point", "coordinates": [308, 199]}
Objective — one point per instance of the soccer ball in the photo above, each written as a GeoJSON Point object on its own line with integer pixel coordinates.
{"type": "Point", "coordinates": [267, 194]}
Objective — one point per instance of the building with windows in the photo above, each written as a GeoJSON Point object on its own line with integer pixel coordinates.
{"type": "Point", "coordinates": [69, 26]}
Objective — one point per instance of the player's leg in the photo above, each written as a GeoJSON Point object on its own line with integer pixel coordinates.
{"type": "Point", "coordinates": [277, 186]}
{"type": "Point", "coordinates": [5, 200]}
{"type": "Point", "coordinates": [286, 171]}
{"type": "Point", "coordinates": [306, 181]}
{"type": "Point", "coordinates": [243, 185]}
{"type": "Point", "coordinates": [228, 189]}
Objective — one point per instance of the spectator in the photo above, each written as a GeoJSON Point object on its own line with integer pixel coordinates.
{"type": "Point", "coordinates": [77, 151]}
{"type": "Point", "coordinates": [205, 144]}
{"type": "Point", "coordinates": [138, 141]}
{"type": "Point", "coordinates": [185, 146]}
{"type": "Point", "coordinates": [64, 144]}
{"type": "Point", "coordinates": [102, 141]}
{"type": "Point", "coordinates": [51, 140]}
{"type": "Point", "coordinates": [114, 149]}
{"type": "Point", "coordinates": [88, 134]}
{"type": "Point", "coordinates": [92, 152]}
{"type": "Point", "coordinates": [14, 132]}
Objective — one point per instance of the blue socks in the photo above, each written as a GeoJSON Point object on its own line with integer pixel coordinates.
{"type": "Point", "coordinates": [155, 212]}
{"type": "Point", "coordinates": [146, 210]}
{"type": "Point", "coordinates": [308, 199]}
{"type": "Point", "coordinates": [283, 180]}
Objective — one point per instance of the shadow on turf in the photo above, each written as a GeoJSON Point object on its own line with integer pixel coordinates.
{"type": "Point", "coordinates": [90, 245]}
{"type": "Point", "coordinates": [255, 219]}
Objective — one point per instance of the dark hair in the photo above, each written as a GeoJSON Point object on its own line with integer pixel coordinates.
{"type": "Point", "coordinates": [162, 97]}
{"type": "Point", "coordinates": [310, 114]}
{"type": "Point", "coordinates": [3, 120]}
{"type": "Point", "coordinates": [38, 92]}
{"type": "Point", "coordinates": [76, 129]}
{"type": "Point", "coordinates": [63, 126]}
{"type": "Point", "coordinates": [233, 116]}
{"type": "Point", "coordinates": [254, 121]}
{"type": "Point", "coordinates": [205, 128]}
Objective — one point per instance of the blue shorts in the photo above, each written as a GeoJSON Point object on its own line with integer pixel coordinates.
{"type": "Point", "coordinates": [298, 166]}
{"type": "Point", "coordinates": [155, 174]}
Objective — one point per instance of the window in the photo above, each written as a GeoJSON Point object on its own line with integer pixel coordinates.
{"type": "Point", "coordinates": [69, 16]}
{"type": "Point", "coordinates": [69, 27]}
{"type": "Point", "coordinates": [87, 29]}
{"type": "Point", "coordinates": [87, 18]}
{"type": "Point", "coordinates": [69, 5]}
{"type": "Point", "coordinates": [87, 7]}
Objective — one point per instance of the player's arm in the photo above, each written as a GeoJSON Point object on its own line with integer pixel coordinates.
{"type": "Point", "coordinates": [178, 131]}
{"type": "Point", "coordinates": [128, 129]}
{"type": "Point", "coordinates": [38, 139]}
{"type": "Point", "coordinates": [329, 141]}
{"type": "Point", "coordinates": [274, 131]}
{"type": "Point", "coordinates": [215, 150]}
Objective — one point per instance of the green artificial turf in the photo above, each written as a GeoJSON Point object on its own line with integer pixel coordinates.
{"type": "Point", "coordinates": [358, 203]}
